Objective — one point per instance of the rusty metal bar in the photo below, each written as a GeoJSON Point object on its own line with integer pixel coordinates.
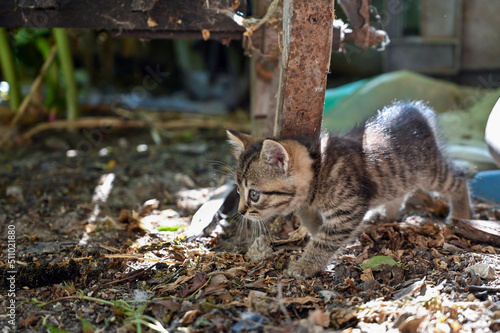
{"type": "Point", "coordinates": [307, 47]}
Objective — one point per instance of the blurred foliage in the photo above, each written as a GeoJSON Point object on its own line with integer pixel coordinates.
{"type": "Point", "coordinates": [9, 71]}
{"type": "Point", "coordinates": [32, 48]}
{"type": "Point", "coordinates": [105, 65]}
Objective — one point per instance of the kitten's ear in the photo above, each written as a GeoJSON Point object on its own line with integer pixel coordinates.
{"type": "Point", "coordinates": [239, 141]}
{"type": "Point", "coordinates": [275, 154]}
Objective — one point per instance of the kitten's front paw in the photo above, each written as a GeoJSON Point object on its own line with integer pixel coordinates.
{"type": "Point", "coordinates": [299, 269]}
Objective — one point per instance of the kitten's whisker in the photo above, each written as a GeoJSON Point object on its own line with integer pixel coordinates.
{"type": "Point", "coordinates": [268, 232]}
{"type": "Point", "coordinates": [234, 216]}
{"type": "Point", "coordinates": [242, 226]}
{"type": "Point", "coordinates": [243, 230]}
{"type": "Point", "coordinates": [239, 223]}
{"type": "Point", "coordinates": [262, 228]}
{"type": "Point", "coordinates": [254, 231]}
{"type": "Point", "coordinates": [222, 168]}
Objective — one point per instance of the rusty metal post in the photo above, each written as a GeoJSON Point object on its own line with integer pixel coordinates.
{"type": "Point", "coordinates": [307, 47]}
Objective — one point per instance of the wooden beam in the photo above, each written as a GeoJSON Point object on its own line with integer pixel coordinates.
{"type": "Point", "coordinates": [307, 47]}
{"type": "Point", "coordinates": [137, 18]}
{"type": "Point", "coordinates": [264, 73]}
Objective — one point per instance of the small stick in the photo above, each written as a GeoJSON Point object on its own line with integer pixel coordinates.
{"type": "Point", "coordinates": [489, 289]}
{"type": "Point", "coordinates": [281, 305]}
{"type": "Point", "coordinates": [99, 122]}
{"type": "Point", "coordinates": [34, 86]}
{"type": "Point", "coordinates": [131, 275]}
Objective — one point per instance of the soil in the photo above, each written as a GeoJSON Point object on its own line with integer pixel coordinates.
{"type": "Point", "coordinates": [93, 228]}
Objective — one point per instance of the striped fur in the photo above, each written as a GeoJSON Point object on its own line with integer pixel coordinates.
{"type": "Point", "coordinates": [332, 188]}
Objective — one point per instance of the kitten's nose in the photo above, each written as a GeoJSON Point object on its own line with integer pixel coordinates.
{"type": "Point", "coordinates": [242, 211]}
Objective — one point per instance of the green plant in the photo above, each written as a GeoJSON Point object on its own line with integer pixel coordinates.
{"type": "Point", "coordinates": [134, 315]}
{"type": "Point", "coordinates": [68, 72]}
{"type": "Point", "coordinates": [8, 69]}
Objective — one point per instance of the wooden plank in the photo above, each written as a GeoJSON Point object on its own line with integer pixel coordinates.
{"type": "Point", "coordinates": [171, 18]}
{"type": "Point", "coordinates": [264, 73]}
{"type": "Point", "coordinates": [307, 46]}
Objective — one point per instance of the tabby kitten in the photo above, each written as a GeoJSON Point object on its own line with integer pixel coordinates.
{"type": "Point", "coordinates": [332, 187]}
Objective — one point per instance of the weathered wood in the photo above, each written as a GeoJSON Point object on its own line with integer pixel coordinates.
{"type": "Point", "coordinates": [155, 19]}
{"type": "Point", "coordinates": [264, 74]}
{"type": "Point", "coordinates": [477, 230]}
{"type": "Point", "coordinates": [307, 46]}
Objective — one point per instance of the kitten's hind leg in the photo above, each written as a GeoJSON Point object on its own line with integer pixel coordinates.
{"type": "Point", "coordinates": [311, 219]}
{"type": "Point", "coordinates": [460, 200]}
{"type": "Point", "coordinates": [392, 209]}
{"type": "Point", "coordinates": [387, 212]}
{"type": "Point", "coordinates": [452, 183]}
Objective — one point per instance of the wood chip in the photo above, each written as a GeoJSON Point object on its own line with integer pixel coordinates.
{"type": "Point", "coordinates": [478, 230]}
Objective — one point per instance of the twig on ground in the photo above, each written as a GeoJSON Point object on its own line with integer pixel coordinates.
{"type": "Point", "coordinates": [99, 122]}
{"type": "Point", "coordinates": [489, 289]}
{"type": "Point", "coordinates": [281, 305]}
{"type": "Point", "coordinates": [131, 275]}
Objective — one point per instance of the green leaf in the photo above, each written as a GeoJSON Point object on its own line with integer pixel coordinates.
{"type": "Point", "coordinates": [375, 263]}
{"type": "Point", "coordinates": [86, 326]}
{"type": "Point", "coordinates": [53, 329]}
{"type": "Point", "coordinates": [168, 228]}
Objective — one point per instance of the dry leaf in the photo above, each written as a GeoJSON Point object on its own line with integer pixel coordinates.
{"type": "Point", "coordinates": [260, 249]}
{"type": "Point", "coordinates": [429, 229]}
{"type": "Point", "coordinates": [189, 317]}
{"type": "Point", "coordinates": [236, 271]}
{"type": "Point", "coordinates": [294, 236]}
{"type": "Point", "coordinates": [166, 304]}
{"type": "Point", "coordinates": [418, 287]}
{"type": "Point", "coordinates": [300, 300]}
{"type": "Point", "coordinates": [174, 285]}
{"type": "Point", "coordinates": [195, 283]}
{"type": "Point", "coordinates": [318, 317]}
{"type": "Point", "coordinates": [412, 323]}
{"type": "Point", "coordinates": [367, 275]}
{"type": "Point", "coordinates": [152, 23]}
{"type": "Point", "coordinates": [343, 315]}
{"type": "Point", "coordinates": [455, 325]}
{"type": "Point", "coordinates": [149, 206]}
{"type": "Point", "coordinates": [217, 285]}
{"type": "Point", "coordinates": [485, 271]}
{"type": "Point", "coordinates": [205, 33]}
{"type": "Point", "coordinates": [259, 284]}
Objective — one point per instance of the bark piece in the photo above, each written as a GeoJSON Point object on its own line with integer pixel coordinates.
{"type": "Point", "coordinates": [478, 230]}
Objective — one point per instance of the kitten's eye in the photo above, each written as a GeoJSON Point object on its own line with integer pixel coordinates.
{"type": "Point", "coordinates": [254, 195]}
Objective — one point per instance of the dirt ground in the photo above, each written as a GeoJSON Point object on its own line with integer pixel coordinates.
{"type": "Point", "coordinates": [93, 239]}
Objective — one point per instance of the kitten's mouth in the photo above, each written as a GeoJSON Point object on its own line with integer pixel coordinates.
{"type": "Point", "coordinates": [252, 217]}
{"type": "Point", "coordinates": [258, 217]}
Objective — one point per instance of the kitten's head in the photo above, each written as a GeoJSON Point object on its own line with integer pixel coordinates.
{"type": "Point", "coordinates": [273, 176]}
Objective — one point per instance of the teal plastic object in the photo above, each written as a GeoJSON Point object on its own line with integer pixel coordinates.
{"type": "Point", "coordinates": [486, 184]}
{"type": "Point", "coordinates": [333, 96]}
